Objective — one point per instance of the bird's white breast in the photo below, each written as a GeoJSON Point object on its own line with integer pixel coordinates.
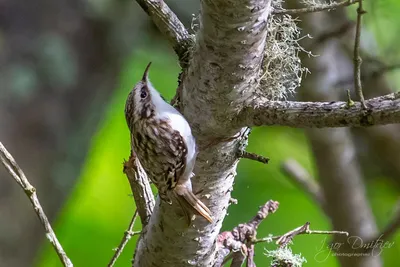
{"type": "Point", "coordinates": [177, 122]}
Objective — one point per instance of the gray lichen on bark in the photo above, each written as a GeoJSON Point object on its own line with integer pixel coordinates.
{"type": "Point", "coordinates": [282, 70]}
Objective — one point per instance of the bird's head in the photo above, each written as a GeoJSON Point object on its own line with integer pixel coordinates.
{"type": "Point", "coordinates": [140, 103]}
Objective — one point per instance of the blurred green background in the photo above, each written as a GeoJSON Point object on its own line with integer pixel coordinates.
{"type": "Point", "coordinates": [98, 205]}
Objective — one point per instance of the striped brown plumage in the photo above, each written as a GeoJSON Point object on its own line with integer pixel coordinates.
{"type": "Point", "coordinates": [161, 151]}
{"type": "Point", "coordinates": [162, 141]}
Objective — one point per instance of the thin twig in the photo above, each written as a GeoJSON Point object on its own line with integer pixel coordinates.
{"type": "Point", "coordinates": [384, 69]}
{"type": "Point", "coordinates": [357, 58]}
{"type": "Point", "coordinates": [391, 228]}
{"type": "Point", "coordinates": [253, 156]}
{"type": "Point", "coordinates": [285, 239]}
{"type": "Point", "coordinates": [318, 8]}
{"type": "Point", "coordinates": [127, 236]}
{"type": "Point", "coordinates": [330, 34]}
{"type": "Point", "coordinates": [302, 178]}
{"type": "Point", "coordinates": [15, 171]}
{"type": "Point", "coordinates": [394, 224]}
{"type": "Point", "coordinates": [350, 102]}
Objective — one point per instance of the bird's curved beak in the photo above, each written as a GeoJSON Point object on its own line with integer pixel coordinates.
{"type": "Point", "coordinates": [146, 73]}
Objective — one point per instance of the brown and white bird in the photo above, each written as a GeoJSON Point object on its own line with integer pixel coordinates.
{"type": "Point", "coordinates": [163, 142]}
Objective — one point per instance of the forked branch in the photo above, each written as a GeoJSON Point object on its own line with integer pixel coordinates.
{"type": "Point", "coordinates": [239, 240]}
{"type": "Point", "coordinates": [285, 239]}
{"type": "Point", "coordinates": [125, 239]}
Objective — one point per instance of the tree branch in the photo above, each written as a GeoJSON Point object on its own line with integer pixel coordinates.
{"type": "Point", "coordinates": [302, 178]}
{"type": "Point", "coordinates": [321, 7]}
{"type": "Point", "coordinates": [141, 190]}
{"type": "Point", "coordinates": [391, 228]}
{"type": "Point", "coordinates": [285, 239]}
{"type": "Point", "coordinates": [15, 171]}
{"type": "Point", "coordinates": [240, 239]}
{"type": "Point", "coordinates": [127, 236]}
{"type": "Point", "coordinates": [224, 66]}
{"type": "Point", "coordinates": [381, 110]}
{"type": "Point", "coordinates": [368, 76]}
{"type": "Point", "coordinates": [357, 58]}
{"type": "Point", "coordinates": [252, 156]}
{"type": "Point", "coordinates": [168, 24]}
{"type": "Point", "coordinates": [250, 256]}
{"type": "Point", "coordinates": [239, 257]}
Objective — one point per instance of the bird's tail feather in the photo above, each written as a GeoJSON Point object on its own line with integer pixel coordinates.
{"type": "Point", "coordinates": [190, 203]}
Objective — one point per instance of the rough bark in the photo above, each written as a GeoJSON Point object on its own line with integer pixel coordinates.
{"type": "Point", "coordinates": [383, 110]}
{"type": "Point", "coordinates": [231, 34]}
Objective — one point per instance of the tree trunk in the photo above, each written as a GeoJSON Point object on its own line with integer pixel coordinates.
{"type": "Point", "coordinates": [232, 34]}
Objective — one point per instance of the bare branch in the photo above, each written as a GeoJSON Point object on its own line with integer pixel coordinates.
{"type": "Point", "coordinates": [242, 153]}
{"type": "Point", "coordinates": [239, 240]}
{"type": "Point", "coordinates": [168, 24]}
{"type": "Point", "coordinates": [305, 229]}
{"type": "Point", "coordinates": [302, 178]}
{"type": "Point", "coordinates": [381, 110]}
{"type": "Point", "coordinates": [391, 228]}
{"type": "Point", "coordinates": [285, 239]}
{"type": "Point", "coordinates": [357, 58]}
{"type": "Point", "coordinates": [383, 70]}
{"type": "Point", "coordinates": [250, 256]}
{"type": "Point", "coordinates": [330, 34]}
{"type": "Point", "coordinates": [394, 225]}
{"type": "Point", "coordinates": [239, 257]}
{"type": "Point", "coordinates": [368, 76]}
{"type": "Point", "coordinates": [325, 7]}
{"type": "Point", "coordinates": [15, 171]}
{"type": "Point", "coordinates": [141, 189]}
{"type": "Point", "coordinates": [253, 156]}
{"type": "Point", "coordinates": [127, 236]}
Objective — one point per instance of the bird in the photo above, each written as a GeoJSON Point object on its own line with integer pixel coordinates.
{"type": "Point", "coordinates": [162, 140]}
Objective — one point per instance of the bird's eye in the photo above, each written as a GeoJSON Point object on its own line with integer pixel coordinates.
{"type": "Point", "coordinates": [143, 94]}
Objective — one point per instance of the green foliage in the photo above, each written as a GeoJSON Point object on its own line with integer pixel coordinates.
{"type": "Point", "coordinates": [100, 208]}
